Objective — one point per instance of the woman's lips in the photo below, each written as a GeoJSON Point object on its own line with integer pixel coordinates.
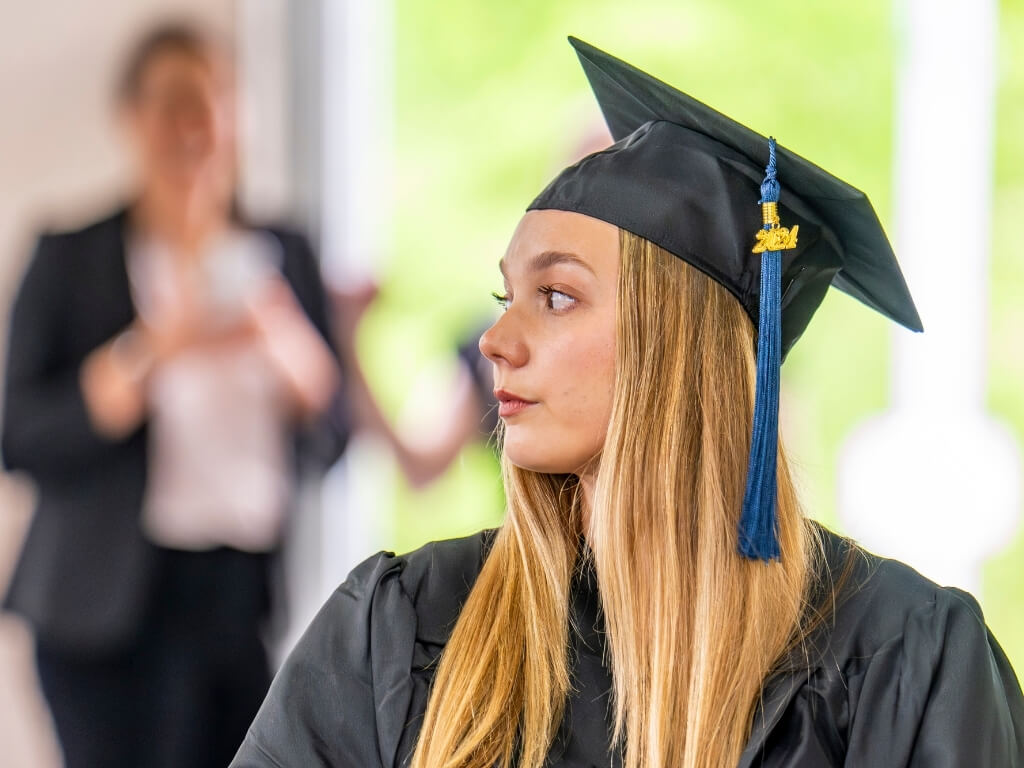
{"type": "Point", "coordinates": [509, 404]}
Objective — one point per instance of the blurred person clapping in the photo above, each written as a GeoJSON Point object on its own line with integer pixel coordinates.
{"type": "Point", "coordinates": [164, 365]}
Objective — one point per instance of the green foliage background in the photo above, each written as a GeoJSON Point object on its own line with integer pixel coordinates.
{"type": "Point", "coordinates": [490, 103]}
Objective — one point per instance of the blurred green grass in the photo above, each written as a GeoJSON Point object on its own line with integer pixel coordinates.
{"type": "Point", "coordinates": [490, 102]}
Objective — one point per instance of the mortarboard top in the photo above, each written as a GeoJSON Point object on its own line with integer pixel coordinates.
{"type": "Point", "coordinates": [687, 178]}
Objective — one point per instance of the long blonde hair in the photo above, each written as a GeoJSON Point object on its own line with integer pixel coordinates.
{"type": "Point", "coordinates": [693, 628]}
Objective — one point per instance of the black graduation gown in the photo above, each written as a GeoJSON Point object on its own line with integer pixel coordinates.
{"type": "Point", "coordinates": [903, 674]}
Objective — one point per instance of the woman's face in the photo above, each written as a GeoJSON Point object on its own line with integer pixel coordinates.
{"type": "Point", "coordinates": [553, 348]}
{"type": "Point", "coordinates": [181, 122]}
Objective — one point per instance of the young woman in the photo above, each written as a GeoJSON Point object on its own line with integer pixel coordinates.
{"type": "Point", "coordinates": [655, 597]}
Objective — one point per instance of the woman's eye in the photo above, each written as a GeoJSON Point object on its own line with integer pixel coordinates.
{"type": "Point", "coordinates": [501, 298]}
{"type": "Point", "coordinates": [557, 300]}
{"type": "Point", "coordinates": [560, 301]}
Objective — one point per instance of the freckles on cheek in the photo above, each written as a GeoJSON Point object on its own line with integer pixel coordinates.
{"type": "Point", "coordinates": [588, 381]}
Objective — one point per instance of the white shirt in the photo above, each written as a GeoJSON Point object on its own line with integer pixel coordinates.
{"type": "Point", "coordinates": [218, 472]}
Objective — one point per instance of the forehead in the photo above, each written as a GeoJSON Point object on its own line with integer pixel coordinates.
{"type": "Point", "coordinates": [594, 241]}
{"type": "Point", "coordinates": [178, 70]}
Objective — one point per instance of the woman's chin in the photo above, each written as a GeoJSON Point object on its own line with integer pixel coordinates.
{"type": "Point", "coordinates": [536, 455]}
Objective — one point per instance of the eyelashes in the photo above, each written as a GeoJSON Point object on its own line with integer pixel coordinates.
{"type": "Point", "coordinates": [555, 300]}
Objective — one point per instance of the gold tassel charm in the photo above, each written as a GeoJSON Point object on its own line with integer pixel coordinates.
{"type": "Point", "coordinates": [773, 237]}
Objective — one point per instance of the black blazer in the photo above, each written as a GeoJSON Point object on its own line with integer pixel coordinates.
{"type": "Point", "coordinates": [82, 579]}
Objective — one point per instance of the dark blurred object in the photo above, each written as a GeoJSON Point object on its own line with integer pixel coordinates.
{"type": "Point", "coordinates": [149, 607]}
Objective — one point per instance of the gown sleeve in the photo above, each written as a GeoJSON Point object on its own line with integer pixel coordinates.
{"type": "Point", "coordinates": [942, 695]}
{"type": "Point", "coordinates": [321, 709]}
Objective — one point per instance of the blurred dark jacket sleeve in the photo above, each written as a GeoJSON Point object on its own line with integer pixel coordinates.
{"type": "Point", "coordinates": [46, 428]}
{"type": "Point", "coordinates": [320, 443]}
{"type": "Point", "coordinates": [82, 576]}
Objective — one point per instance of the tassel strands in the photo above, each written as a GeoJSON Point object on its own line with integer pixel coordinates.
{"type": "Point", "coordinates": [758, 536]}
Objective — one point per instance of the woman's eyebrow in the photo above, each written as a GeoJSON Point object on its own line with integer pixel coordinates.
{"type": "Point", "coordinates": [548, 259]}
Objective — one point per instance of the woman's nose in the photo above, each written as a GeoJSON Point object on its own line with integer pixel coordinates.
{"type": "Point", "coordinates": [502, 343]}
{"type": "Point", "coordinates": [193, 122]}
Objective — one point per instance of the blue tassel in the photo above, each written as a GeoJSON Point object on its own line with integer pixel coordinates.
{"type": "Point", "coordinates": [758, 537]}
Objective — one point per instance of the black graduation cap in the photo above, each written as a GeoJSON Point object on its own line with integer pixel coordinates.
{"type": "Point", "coordinates": [689, 179]}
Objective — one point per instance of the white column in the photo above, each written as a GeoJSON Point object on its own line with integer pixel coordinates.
{"type": "Point", "coordinates": [358, 136]}
{"type": "Point", "coordinates": [358, 94]}
{"type": "Point", "coordinates": [934, 480]}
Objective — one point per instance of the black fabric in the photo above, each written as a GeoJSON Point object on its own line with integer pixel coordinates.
{"type": "Point", "coordinates": [84, 577]}
{"type": "Point", "coordinates": [94, 707]}
{"type": "Point", "coordinates": [687, 178]}
{"type": "Point", "coordinates": [186, 692]}
{"type": "Point", "coordinates": [905, 674]}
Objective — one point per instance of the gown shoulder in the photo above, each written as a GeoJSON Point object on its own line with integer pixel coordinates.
{"type": "Point", "coordinates": [345, 693]}
{"type": "Point", "coordinates": [900, 672]}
